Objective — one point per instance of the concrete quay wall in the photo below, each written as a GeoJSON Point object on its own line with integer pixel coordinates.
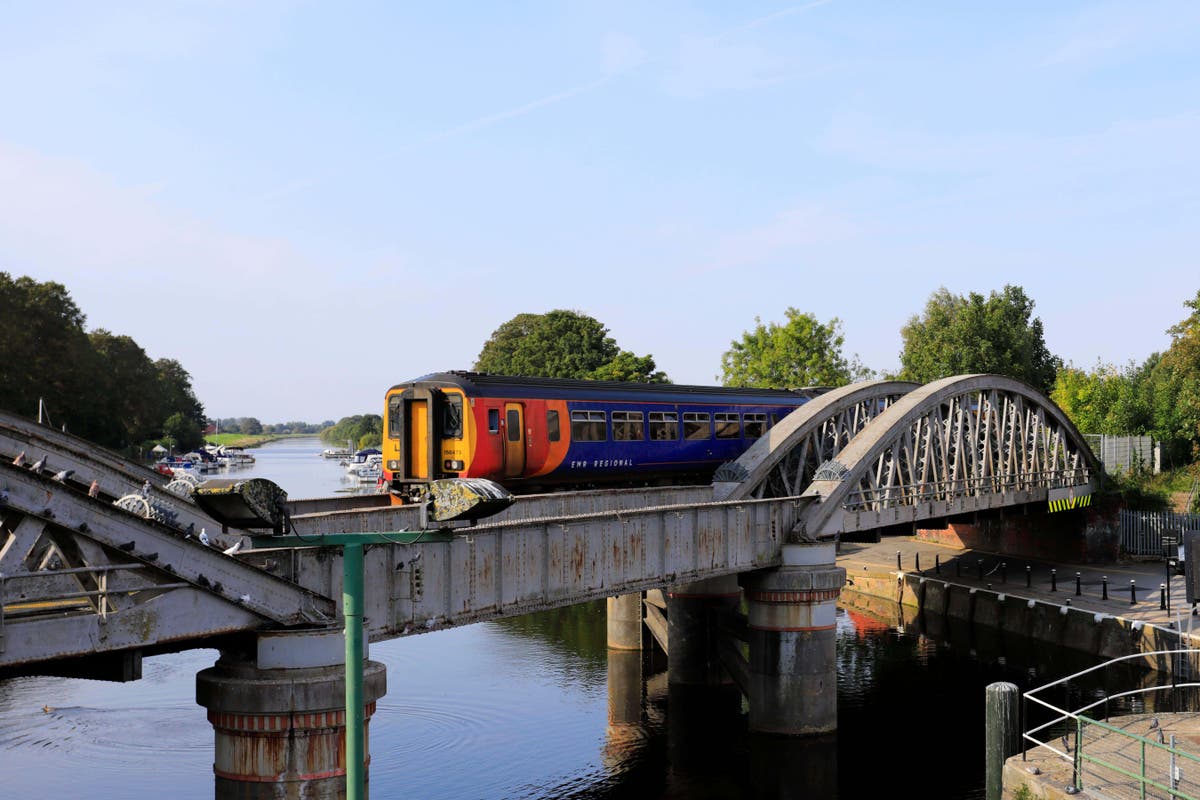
{"type": "Point", "coordinates": [1097, 632]}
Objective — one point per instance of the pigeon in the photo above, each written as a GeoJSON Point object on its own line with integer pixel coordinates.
{"type": "Point", "coordinates": [191, 528]}
{"type": "Point", "coordinates": [146, 488]}
{"type": "Point", "coordinates": [1066, 743]}
{"type": "Point", "coordinates": [1162, 739]}
{"type": "Point", "coordinates": [39, 465]}
{"type": "Point", "coordinates": [19, 461]}
{"type": "Point", "coordinates": [62, 475]}
{"type": "Point", "coordinates": [94, 489]}
{"type": "Point", "coordinates": [229, 551]}
{"type": "Point", "coordinates": [1153, 723]}
{"type": "Point", "coordinates": [203, 537]}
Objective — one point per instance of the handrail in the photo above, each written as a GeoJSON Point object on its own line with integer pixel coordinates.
{"type": "Point", "coordinates": [907, 493]}
{"type": "Point", "coordinates": [1079, 755]}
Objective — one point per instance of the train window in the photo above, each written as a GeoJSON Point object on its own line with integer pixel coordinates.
{"type": "Point", "coordinates": [588, 426]}
{"type": "Point", "coordinates": [552, 431]}
{"type": "Point", "coordinates": [728, 426]}
{"type": "Point", "coordinates": [395, 416]}
{"type": "Point", "coordinates": [493, 420]}
{"type": "Point", "coordinates": [452, 421]}
{"type": "Point", "coordinates": [664, 426]}
{"type": "Point", "coordinates": [628, 426]}
{"type": "Point", "coordinates": [513, 423]}
{"type": "Point", "coordinates": [696, 425]}
{"type": "Point", "coordinates": [755, 425]}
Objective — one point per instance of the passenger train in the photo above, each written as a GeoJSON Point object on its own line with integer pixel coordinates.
{"type": "Point", "coordinates": [535, 434]}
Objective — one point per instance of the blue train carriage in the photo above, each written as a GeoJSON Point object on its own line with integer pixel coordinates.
{"type": "Point", "coordinates": [535, 433]}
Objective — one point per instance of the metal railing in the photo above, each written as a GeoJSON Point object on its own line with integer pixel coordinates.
{"type": "Point", "coordinates": [932, 491]}
{"type": "Point", "coordinates": [1110, 756]}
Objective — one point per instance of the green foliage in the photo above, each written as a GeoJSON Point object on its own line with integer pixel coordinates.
{"type": "Point", "coordinates": [365, 430]}
{"type": "Point", "coordinates": [1106, 399]}
{"type": "Point", "coordinates": [100, 385]}
{"type": "Point", "coordinates": [562, 344]}
{"type": "Point", "coordinates": [1174, 382]}
{"type": "Point", "coordinates": [183, 431]}
{"type": "Point", "coordinates": [995, 334]}
{"type": "Point", "coordinates": [802, 352]}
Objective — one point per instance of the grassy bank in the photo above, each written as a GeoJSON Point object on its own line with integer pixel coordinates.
{"type": "Point", "coordinates": [246, 440]}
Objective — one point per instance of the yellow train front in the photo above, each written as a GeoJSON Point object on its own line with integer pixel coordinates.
{"type": "Point", "coordinates": [532, 434]}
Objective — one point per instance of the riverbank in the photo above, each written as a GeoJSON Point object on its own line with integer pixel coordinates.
{"type": "Point", "coordinates": [246, 440]}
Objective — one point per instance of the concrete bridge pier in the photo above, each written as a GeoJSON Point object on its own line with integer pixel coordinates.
{"type": "Point", "coordinates": [279, 717]}
{"type": "Point", "coordinates": [625, 622]}
{"type": "Point", "coordinates": [791, 619]}
{"type": "Point", "coordinates": [692, 611]}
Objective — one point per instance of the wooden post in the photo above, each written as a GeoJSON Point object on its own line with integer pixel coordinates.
{"type": "Point", "coordinates": [1003, 736]}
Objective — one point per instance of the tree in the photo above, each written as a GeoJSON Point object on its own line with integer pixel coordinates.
{"type": "Point", "coordinates": [993, 334]}
{"type": "Point", "coordinates": [45, 354]}
{"type": "Point", "coordinates": [801, 352]}
{"type": "Point", "coordinates": [184, 431]}
{"type": "Point", "coordinates": [1174, 382]}
{"type": "Point", "coordinates": [251, 426]}
{"type": "Point", "coordinates": [1105, 399]}
{"type": "Point", "coordinates": [562, 344]}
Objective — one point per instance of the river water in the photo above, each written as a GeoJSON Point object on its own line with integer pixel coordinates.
{"type": "Point", "coordinates": [520, 708]}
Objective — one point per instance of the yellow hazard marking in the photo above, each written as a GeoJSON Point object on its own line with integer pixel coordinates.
{"type": "Point", "coordinates": [1068, 503]}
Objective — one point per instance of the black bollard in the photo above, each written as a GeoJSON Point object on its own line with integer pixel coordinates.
{"type": "Point", "coordinates": [1162, 597]}
{"type": "Point", "coordinates": [1004, 572]}
{"type": "Point", "coordinates": [1078, 585]}
{"type": "Point", "coordinates": [1054, 580]}
{"type": "Point", "coordinates": [1028, 576]}
{"type": "Point", "coordinates": [1132, 592]}
{"type": "Point", "coordinates": [917, 562]}
{"type": "Point", "coordinates": [979, 563]}
{"type": "Point", "coordinates": [898, 560]}
{"type": "Point", "coordinates": [937, 563]}
{"type": "Point", "coordinates": [1104, 587]}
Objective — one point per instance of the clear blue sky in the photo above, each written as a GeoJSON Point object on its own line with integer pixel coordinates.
{"type": "Point", "coordinates": [307, 202]}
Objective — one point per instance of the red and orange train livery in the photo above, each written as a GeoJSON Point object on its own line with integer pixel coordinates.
{"type": "Point", "coordinates": [531, 434]}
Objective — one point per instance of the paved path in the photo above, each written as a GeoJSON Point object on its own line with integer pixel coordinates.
{"type": "Point", "coordinates": [959, 565]}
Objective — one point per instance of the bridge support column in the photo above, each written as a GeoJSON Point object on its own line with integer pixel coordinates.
{"type": "Point", "coordinates": [280, 717]}
{"type": "Point", "coordinates": [692, 609]}
{"type": "Point", "coordinates": [625, 622]}
{"type": "Point", "coordinates": [791, 629]}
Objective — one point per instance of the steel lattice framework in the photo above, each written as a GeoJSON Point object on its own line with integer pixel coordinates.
{"type": "Point", "coordinates": [784, 462]}
{"type": "Point", "coordinates": [949, 447]}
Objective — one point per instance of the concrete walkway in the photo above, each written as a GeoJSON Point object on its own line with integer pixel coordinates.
{"type": "Point", "coordinates": [965, 566]}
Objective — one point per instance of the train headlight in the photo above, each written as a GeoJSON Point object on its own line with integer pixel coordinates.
{"type": "Point", "coordinates": [393, 465]}
{"type": "Point", "coordinates": [453, 465]}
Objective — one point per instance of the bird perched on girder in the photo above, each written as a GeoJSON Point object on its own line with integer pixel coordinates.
{"type": "Point", "coordinates": [94, 489]}
{"type": "Point", "coordinates": [19, 461]}
{"type": "Point", "coordinates": [1153, 723]}
{"type": "Point", "coordinates": [229, 551]}
{"type": "Point", "coordinates": [203, 537]}
{"type": "Point", "coordinates": [146, 488]}
{"type": "Point", "coordinates": [62, 475]}
{"type": "Point", "coordinates": [39, 466]}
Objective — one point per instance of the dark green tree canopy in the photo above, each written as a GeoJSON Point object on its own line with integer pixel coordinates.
{"type": "Point", "coordinates": [562, 344]}
{"type": "Point", "coordinates": [801, 352]}
{"type": "Point", "coordinates": [996, 334]}
{"type": "Point", "coordinates": [101, 385]}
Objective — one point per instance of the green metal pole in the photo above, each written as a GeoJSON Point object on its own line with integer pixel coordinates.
{"type": "Point", "coordinates": [352, 613]}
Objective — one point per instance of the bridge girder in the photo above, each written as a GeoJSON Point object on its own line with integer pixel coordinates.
{"type": "Point", "coordinates": [782, 463]}
{"type": "Point", "coordinates": [955, 445]}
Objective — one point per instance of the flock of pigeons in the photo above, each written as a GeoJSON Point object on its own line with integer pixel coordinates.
{"type": "Point", "coordinates": [40, 467]}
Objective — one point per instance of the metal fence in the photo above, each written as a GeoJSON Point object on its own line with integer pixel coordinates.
{"type": "Point", "coordinates": [1154, 533]}
{"type": "Point", "coordinates": [1122, 453]}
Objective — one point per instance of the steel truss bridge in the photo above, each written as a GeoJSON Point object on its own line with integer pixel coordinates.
{"type": "Point", "coordinates": [92, 580]}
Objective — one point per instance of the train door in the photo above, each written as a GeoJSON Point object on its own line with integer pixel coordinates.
{"type": "Point", "coordinates": [418, 444]}
{"type": "Point", "coordinates": [514, 440]}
